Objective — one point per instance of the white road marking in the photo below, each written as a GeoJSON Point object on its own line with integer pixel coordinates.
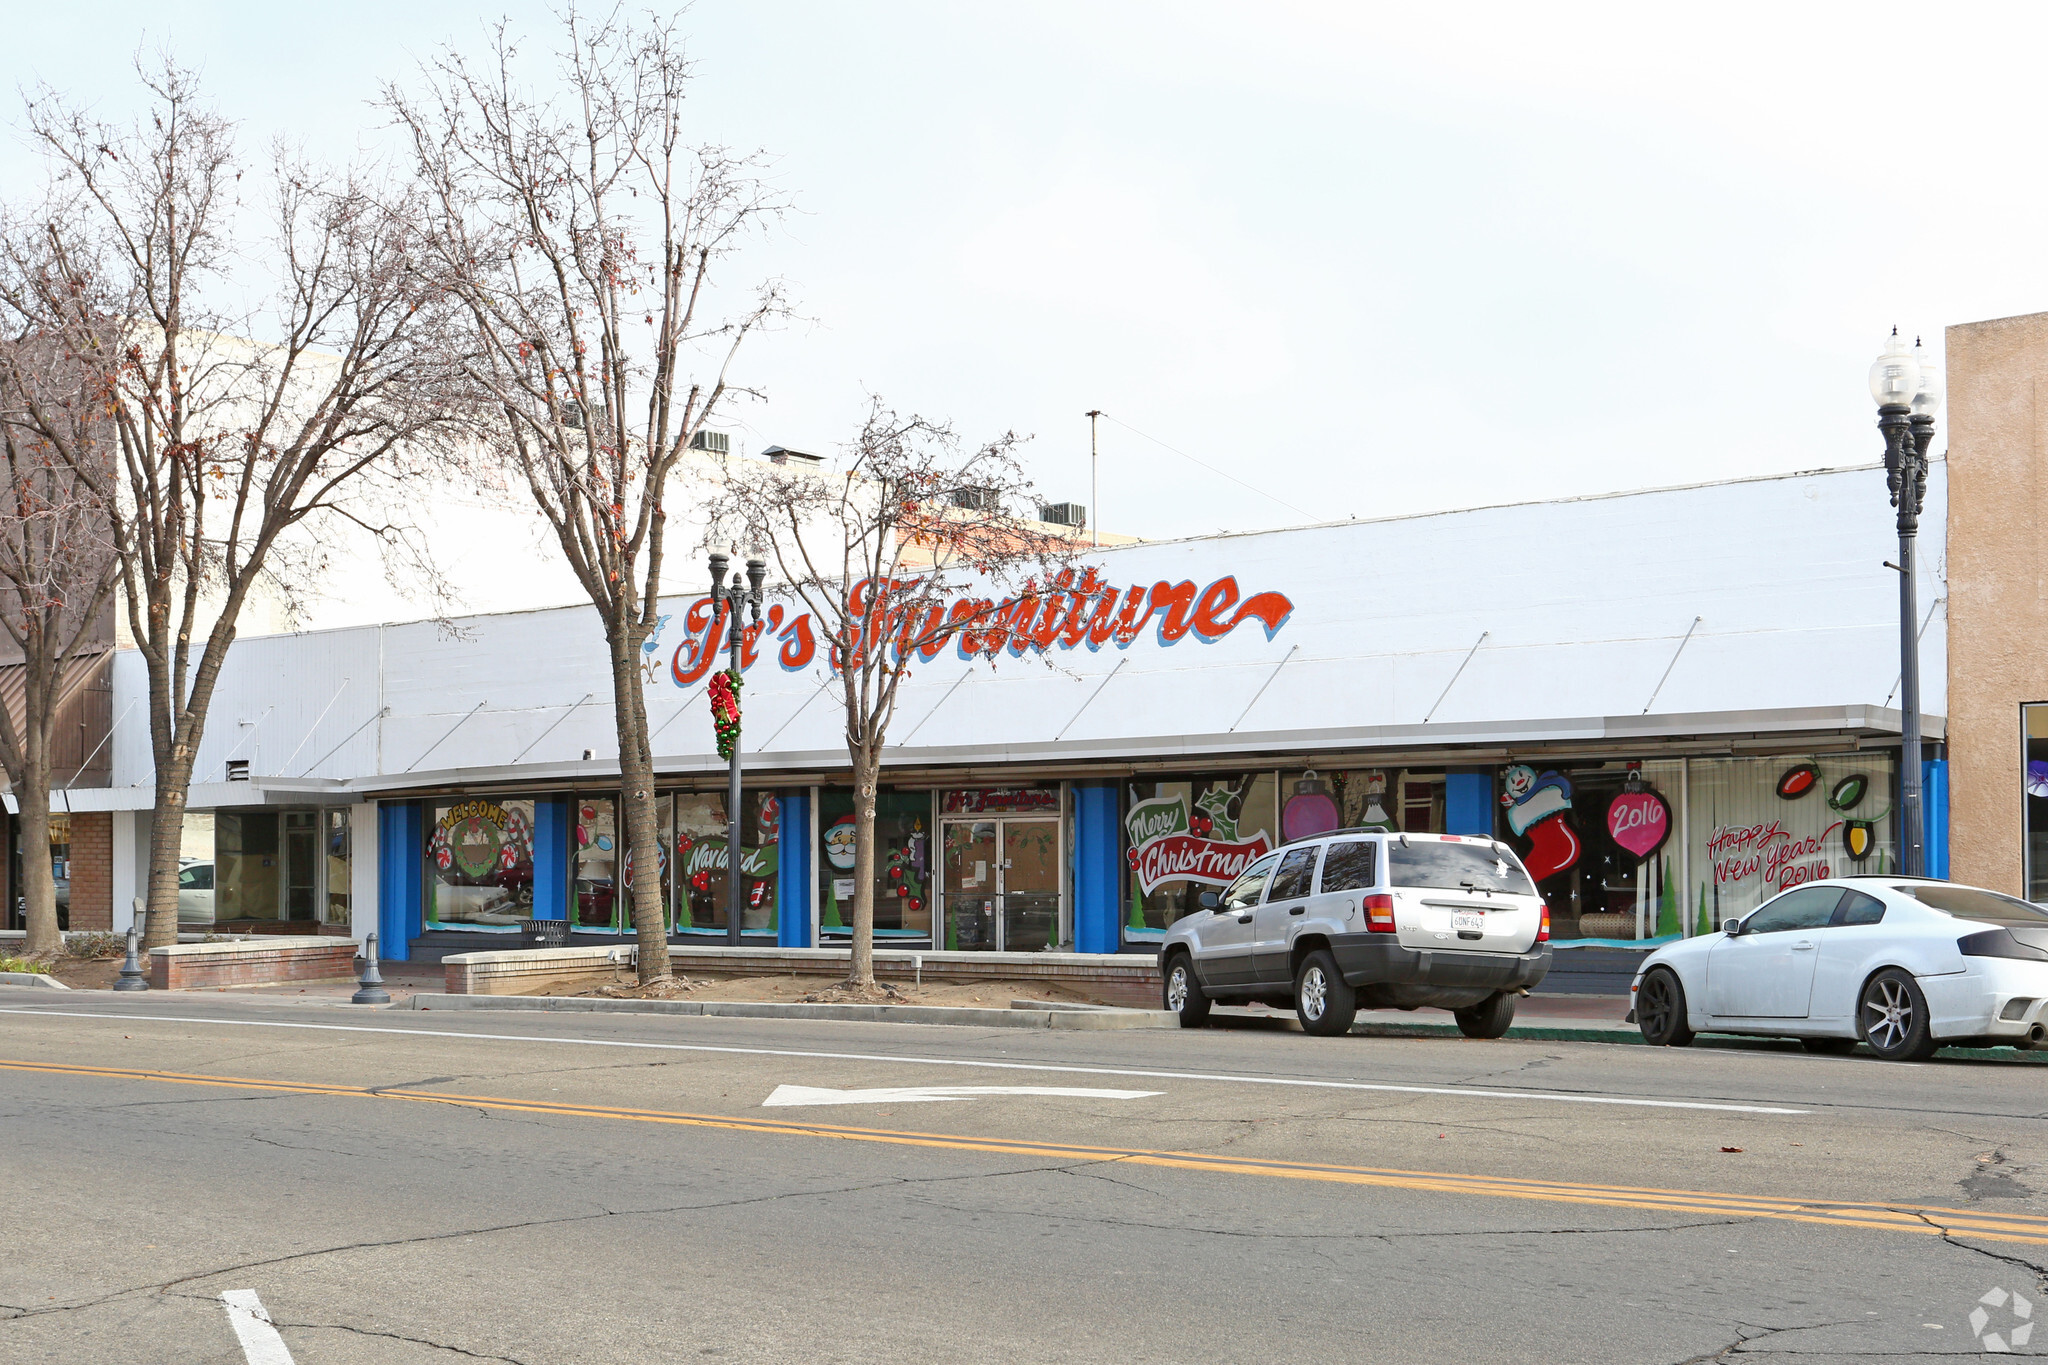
{"type": "Point", "coordinates": [251, 1321]}
{"type": "Point", "coordinates": [1285, 1081]}
{"type": "Point", "coordinates": [932, 1094]}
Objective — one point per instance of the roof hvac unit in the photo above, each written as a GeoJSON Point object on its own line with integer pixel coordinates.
{"type": "Point", "coordinates": [1063, 513]}
{"type": "Point", "coordinates": [975, 499]}
{"type": "Point", "coordinates": [713, 442]}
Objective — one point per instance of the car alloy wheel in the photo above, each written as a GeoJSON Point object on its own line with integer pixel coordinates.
{"type": "Point", "coordinates": [1315, 993]}
{"type": "Point", "coordinates": [1183, 995]}
{"type": "Point", "coordinates": [1660, 1010]}
{"type": "Point", "coordinates": [1894, 1018]}
{"type": "Point", "coordinates": [1323, 1003]}
{"type": "Point", "coordinates": [1890, 1014]}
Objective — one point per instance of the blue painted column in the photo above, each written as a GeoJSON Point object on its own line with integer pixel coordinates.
{"type": "Point", "coordinates": [1098, 861]}
{"type": "Point", "coordinates": [1468, 801]}
{"type": "Point", "coordinates": [1934, 815]}
{"type": "Point", "coordinates": [794, 879]}
{"type": "Point", "coordinates": [552, 832]}
{"type": "Point", "coordinates": [401, 874]}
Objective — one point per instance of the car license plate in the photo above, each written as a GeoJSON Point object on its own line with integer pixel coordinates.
{"type": "Point", "coordinates": [1469, 921]}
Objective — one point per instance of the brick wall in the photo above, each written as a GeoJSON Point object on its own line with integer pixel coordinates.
{"type": "Point", "coordinates": [196, 966]}
{"type": "Point", "coordinates": [92, 870]}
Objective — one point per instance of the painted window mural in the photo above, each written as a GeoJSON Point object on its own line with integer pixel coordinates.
{"type": "Point", "coordinates": [703, 862]}
{"type": "Point", "coordinates": [1182, 836]}
{"type": "Point", "coordinates": [1314, 801]}
{"type": "Point", "coordinates": [1763, 825]}
{"type": "Point", "coordinates": [903, 866]}
{"type": "Point", "coordinates": [480, 865]}
{"type": "Point", "coordinates": [1598, 839]}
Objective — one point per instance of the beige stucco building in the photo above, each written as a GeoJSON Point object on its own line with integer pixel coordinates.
{"type": "Point", "coordinates": [1998, 600]}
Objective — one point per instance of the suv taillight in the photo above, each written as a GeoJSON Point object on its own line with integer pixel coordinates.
{"type": "Point", "coordinates": [1543, 925]}
{"type": "Point", "coordinates": [1379, 914]}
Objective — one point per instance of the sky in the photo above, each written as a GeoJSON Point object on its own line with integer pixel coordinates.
{"type": "Point", "coordinates": [1363, 259]}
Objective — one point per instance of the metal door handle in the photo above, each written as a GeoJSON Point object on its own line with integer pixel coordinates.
{"type": "Point", "coordinates": [1299, 910]}
{"type": "Point", "coordinates": [1244, 919]}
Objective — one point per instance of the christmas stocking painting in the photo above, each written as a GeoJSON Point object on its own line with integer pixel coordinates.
{"type": "Point", "coordinates": [1537, 807]}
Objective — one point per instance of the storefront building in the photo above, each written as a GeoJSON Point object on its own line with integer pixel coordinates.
{"type": "Point", "coordinates": [1673, 703]}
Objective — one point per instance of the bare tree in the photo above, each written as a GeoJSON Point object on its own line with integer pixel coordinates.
{"type": "Point", "coordinates": [584, 238]}
{"type": "Point", "coordinates": [918, 546]}
{"type": "Point", "coordinates": [257, 378]}
{"type": "Point", "coordinates": [57, 574]}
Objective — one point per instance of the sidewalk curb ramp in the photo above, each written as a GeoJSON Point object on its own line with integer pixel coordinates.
{"type": "Point", "coordinates": [1025, 1014]}
{"type": "Point", "coordinates": [32, 979]}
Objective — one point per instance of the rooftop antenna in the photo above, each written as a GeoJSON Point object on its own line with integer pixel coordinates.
{"type": "Point", "coordinates": [1094, 496]}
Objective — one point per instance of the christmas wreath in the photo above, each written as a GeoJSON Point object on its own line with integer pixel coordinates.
{"type": "Point", "coordinates": [725, 710]}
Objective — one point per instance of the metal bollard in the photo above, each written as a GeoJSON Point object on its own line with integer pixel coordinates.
{"type": "Point", "coordinates": [372, 983]}
{"type": "Point", "coordinates": [133, 978]}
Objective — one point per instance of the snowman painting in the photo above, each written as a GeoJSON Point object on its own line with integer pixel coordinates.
{"type": "Point", "coordinates": [1536, 810]}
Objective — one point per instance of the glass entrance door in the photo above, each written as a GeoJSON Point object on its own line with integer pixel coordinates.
{"type": "Point", "coordinates": [1001, 884]}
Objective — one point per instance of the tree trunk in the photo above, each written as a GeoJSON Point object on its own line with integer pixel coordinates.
{"type": "Point", "coordinates": [866, 775]}
{"type": "Point", "coordinates": [38, 884]}
{"type": "Point", "coordinates": [636, 810]}
{"type": "Point", "coordinates": [166, 841]}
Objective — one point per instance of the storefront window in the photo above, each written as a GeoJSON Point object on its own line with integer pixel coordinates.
{"type": "Point", "coordinates": [595, 888]}
{"type": "Point", "coordinates": [1316, 801]}
{"type": "Point", "coordinates": [338, 855]}
{"type": "Point", "coordinates": [195, 869]}
{"type": "Point", "coordinates": [1598, 839]}
{"type": "Point", "coordinates": [701, 836]}
{"type": "Point", "coordinates": [903, 870]}
{"type": "Point", "coordinates": [1198, 832]}
{"type": "Point", "coordinates": [1762, 825]}
{"type": "Point", "coordinates": [480, 865]}
{"type": "Point", "coordinates": [248, 867]}
{"type": "Point", "coordinates": [60, 864]}
{"type": "Point", "coordinates": [2035, 782]}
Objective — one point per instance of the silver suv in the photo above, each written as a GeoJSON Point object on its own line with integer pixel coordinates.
{"type": "Point", "coordinates": [1365, 919]}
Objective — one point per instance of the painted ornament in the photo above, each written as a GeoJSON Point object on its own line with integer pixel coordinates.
{"type": "Point", "coordinates": [1309, 811]}
{"type": "Point", "coordinates": [1797, 781]}
{"type": "Point", "coordinates": [1376, 816]}
{"type": "Point", "coordinates": [1849, 791]}
{"type": "Point", "coordinates": [1858, 838]}
{"type": "Point", "coordinates": [1537, 810]}
{"type": "Point", "coordinates": [1639, 822]}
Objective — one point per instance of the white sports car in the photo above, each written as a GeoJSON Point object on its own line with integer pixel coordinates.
{"type": "Point", "coordinates": [1903, 964]}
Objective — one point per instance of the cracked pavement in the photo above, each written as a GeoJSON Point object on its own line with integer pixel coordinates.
{"type": "Point", "coordinates": [384, 1227]}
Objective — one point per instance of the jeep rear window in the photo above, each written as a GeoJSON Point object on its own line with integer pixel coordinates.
{"type": "Point", "coordinates": [1456, 867]}
{"type": "Point", "coordinates": [1968, 902]}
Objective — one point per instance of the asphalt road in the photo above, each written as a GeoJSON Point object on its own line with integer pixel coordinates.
{"type": "Point", "coordinates": [414, 1187]}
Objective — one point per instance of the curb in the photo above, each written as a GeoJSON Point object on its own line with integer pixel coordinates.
{"type": "Point", "coordinates": [1632, 1038]}
{"type": "Point", "coordinates": [32, 979]}
{"type": "Point", "coordinates": [737, 1009]}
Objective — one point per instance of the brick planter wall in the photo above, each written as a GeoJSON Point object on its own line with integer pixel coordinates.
{"type": "Point", "coordinates": [207, 966]}
{"type": "Point", "coordinates": [1121, 979]}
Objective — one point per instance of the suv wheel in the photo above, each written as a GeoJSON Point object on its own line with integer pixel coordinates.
{"type": "Point", "coordinates": [1323, 1003]}
{"type": "Point", "coordinates": [1893, 1018]}
{"type": "Point", "coordinates": [1489, 1018]}
{"type": "Point", "coordinates": [1184, 994]}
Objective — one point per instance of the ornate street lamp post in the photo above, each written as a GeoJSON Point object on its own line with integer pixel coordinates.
{"type": "Point", "coordinates": [1907, 387]}
{"type": "Point", "coordinates": [735, 599]}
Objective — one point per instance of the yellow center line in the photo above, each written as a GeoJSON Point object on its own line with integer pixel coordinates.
{"type": "Point", "coordinates": [1926, 1219]}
